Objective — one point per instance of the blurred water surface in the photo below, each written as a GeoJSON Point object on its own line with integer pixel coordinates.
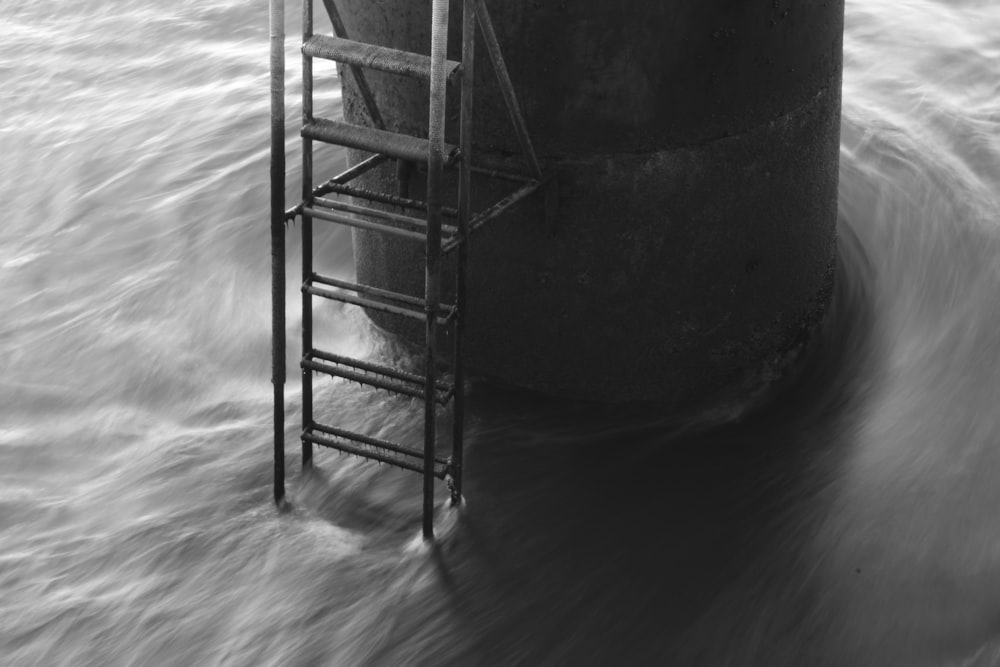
{"type": "Point", "coordinates": [851, 522]}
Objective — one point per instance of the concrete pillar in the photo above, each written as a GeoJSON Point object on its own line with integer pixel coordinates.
{"type": "Point", "coordinates": [696, 146]}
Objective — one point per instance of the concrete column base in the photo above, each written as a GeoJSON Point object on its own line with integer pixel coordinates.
{"type": "Point", "coordinates": [694, 242]}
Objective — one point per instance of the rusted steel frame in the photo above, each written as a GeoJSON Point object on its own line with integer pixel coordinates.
{"type": "Point", "coordinates": [361, 378]}
{"type": "Point", "coordinates": [373, 56]}
{"type": "Point", "coordinates": [386, 198]}
{"type": "Point", "coordinates": [350, 174]}
{"type": "Point", "coordinates": [372, 454]}
{"type": "Point", "coordinates": [353, 221]}
{"type": "Point", "coordinates": [416, 223]}
{"type": "Point", "coordinates": [366, 289]}
{"type": "Point", "coordinates": [499, 207]}
{"type": "Point", "coordinates": [394, 373]}
{"type": "Point", "coordinates": [503, 167]}
{"type": "Point", "coordinates": [361, 301]}
{"type": "Point", "coordinates": [507, 88]}
{"type": "Point", "coordinates": [378, 381]}
{"type": "Point", "coordinates": [276, 16]}
{"type": "Point", "coordinates": [464, 211]}
{"type": "Point", "coordinates": [432, 285]}
{"type": "Point", "coordinates": [365, 453]}
{"type": "Point", "coordinates": [307, 230]}
{"type": "Point", "coordinates": [345, 176]}
{"type": "Point", "coordinates": [374, 381]}
{"type": "Point", "coordinates": [369, 303]}
{"type": "Point", "coordinates": [393, 144]}
{"type": "Point", "coordinates": [374, 442]}
{"type": "Point", "coordinates": [376, 292]}
{"type": "Point", "coordinates": [357, 72]}
{"type": "Point", "coordinates": [362, 224]}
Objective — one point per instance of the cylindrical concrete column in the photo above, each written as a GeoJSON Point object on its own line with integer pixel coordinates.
{"type": "Point", "coordinates": [696, 148]}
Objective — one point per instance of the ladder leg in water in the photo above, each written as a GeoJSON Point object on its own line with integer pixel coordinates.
{"type": "Point", "coordinates": [438, 238]}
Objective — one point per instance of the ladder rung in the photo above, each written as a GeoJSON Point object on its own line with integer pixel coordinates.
{"type": "Point", "coordinates": [378, 368]}
{"type": "Point", "coordinates": [373, 305]}
{"type": "Point", "coordinates": [400, 146]}
{"type": "Point", "coordinates": [375, 449]}
{"type": "Point", "coordinates": [416, 223]}
{"type": "Point", "coordinates": [372, 56]}
{"type": "Point", "coordinates": [374, 442]}
{"type": "Point", "coordinates": [345, 176]}
{"type": "Point", "coordinates": [384, 198]}
{"type": "Point", "coordinates": [363, 302]}
{"type": "Point", "coordinates": [400, 304]}
{"type": "Point", "coordinates": [374, 375]}
{"type": "Point", "coordinates": [352, 221]}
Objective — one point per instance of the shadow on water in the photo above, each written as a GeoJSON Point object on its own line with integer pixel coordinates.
{"type": "Point", "coordinates": [596, 533]}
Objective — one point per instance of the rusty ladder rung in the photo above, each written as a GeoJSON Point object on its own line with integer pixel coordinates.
{"type": "Point", "coordinates": [375, 375]}
{"type": "Point", "coordinates": [372, 448]}
{"type": "Point", "coordinates": [407, 220]}
{"type": "Point", "coordinates": [372, 56]}
{"type": "Point", "coordinates": [384, 301]}
{"type": "Point", "coordinates": [383, 198]}
{"type": "Point", "coordinates": [393, 144]}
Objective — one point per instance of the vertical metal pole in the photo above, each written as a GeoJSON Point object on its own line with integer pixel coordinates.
{"type": "Point", "coordinates": [277, 35]}
{"type": "Point", "coordinates": [307, 235]}
{"type": "Point", "coordinates": [432, 289]}
{"type": "Point", "coordinates": [464, 210]}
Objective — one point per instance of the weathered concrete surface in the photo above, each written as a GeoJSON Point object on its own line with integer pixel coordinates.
{"type": "Point", "coordinates": [696, 145]}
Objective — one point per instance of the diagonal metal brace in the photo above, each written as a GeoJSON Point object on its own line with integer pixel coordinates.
{"type": "Point", "coordinates": [506, 87]}
{"type": "Point", "coordinates": [357, 72]}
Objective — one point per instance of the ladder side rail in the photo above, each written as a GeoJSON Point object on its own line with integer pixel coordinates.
{"type": "Point", "coordinates": [340, 30]}
{"type": "Point", "coordinates": [307, 233]}
{"type": "Point", "coordinates": [276, 16]}
{"type": "Point", "coordinates": [464, 212]}
{"type": "Point", "coordinates": [507, 88]}
{"type": "Point", "coordinates": [432, 286]}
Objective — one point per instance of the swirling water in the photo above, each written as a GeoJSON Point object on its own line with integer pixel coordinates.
{"type": "Point", "coordinates": [853, 521]}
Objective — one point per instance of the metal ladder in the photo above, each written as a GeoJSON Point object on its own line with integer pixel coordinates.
{"type": "Point", "coordinates": [439, 238]}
